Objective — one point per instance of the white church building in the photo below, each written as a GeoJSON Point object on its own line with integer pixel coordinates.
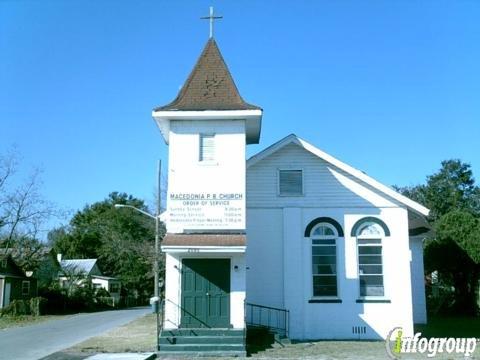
{"type": "Point", "coordinates": [291, 238]}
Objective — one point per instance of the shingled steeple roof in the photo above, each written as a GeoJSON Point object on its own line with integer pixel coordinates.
{"type": "Point", "coordinates": [210, 86]}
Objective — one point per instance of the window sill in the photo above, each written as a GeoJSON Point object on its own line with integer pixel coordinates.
{"type": "Point", "coordinates": [324, 301]}
{"type": "Point", "coordinates": [208, 163]}
{"type": "Point", "coordinates": [373, 301]}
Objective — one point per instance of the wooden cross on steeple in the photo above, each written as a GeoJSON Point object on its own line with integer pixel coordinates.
{"type": "Point", "coordinates": [211, 17]}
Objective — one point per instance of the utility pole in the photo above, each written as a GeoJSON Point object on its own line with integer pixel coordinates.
{"type": "Point", "coordinates": [157, 251]}
{"type": "Point", "coordinates": [157, 232]}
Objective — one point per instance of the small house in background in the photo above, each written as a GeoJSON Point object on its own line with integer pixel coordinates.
{"type": "Point", "coordinates": [14, 283]}
{"type": "Point", "coordinates": [80, 270]}
{"type": "Point", "coordinates": [41, 261]}
{"type": "Point", "coordinates": [111, 284]}
{"type": "Point", "coordinates": [47, 269]}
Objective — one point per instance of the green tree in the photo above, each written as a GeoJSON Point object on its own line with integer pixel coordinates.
{"type": "Point", "coordinates": [452, 188]}
{"type": "Point", "coordinates": [122, 240]}
{"type": "Point", "coordinates": [454, 251]}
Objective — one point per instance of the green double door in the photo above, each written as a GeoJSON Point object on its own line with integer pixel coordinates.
{"type": "Point", "coordinates": [205, 293]}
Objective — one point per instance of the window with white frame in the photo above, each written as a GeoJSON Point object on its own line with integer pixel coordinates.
{"type": "Point", "coordinates": [207, 147]}
{"type": "Point", "coordinates": [290, 182]}
{"type": "Point", "coordinates": [25, 287]}
{"type": "Point", "coordinates": [324, 260]}
{"type": "Point", "coordinates": [64, 283]}
{"type": "Point", "coordinates": [370, 259]}
{"type": "Point", "coordinates": [114, 288]}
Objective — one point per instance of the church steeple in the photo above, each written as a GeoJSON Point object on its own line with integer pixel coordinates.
{"type": "Point", "coordinates": [210, 86]}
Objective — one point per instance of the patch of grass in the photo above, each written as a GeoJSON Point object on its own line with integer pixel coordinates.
{"type": "Point", "coordinates": [136, 336]}
{"type": "Point", "coordinates": [7, 321]}
{"type": "Point", "coordinates": [450, 327]}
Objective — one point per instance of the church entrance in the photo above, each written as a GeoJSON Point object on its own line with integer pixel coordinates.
{"type": "Point", "coordinates": [205, 293]}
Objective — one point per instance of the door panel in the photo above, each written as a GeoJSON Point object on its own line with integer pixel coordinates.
{"type": "Point", "coordinates": [6, 296]}
{"type": "Point", "coordinates": [205, 293]}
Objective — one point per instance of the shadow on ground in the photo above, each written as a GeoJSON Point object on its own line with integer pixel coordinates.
{"type": "Point", "coordinates": [258, 340]}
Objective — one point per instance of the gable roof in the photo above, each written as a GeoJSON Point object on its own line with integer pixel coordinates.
{"type": "Point", "coordinates": [16, 252]}
{"type": "Point", "coordinates": [79, 265]}
{"type": "Point", "coordinates": [9, 268]}
{"type": "Point", "coordinates": [293, 139]}
{"type": "Point", "coordinates": [210, 86]}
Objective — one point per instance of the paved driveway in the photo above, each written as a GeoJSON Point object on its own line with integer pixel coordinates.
{"type": "Point", "coordinates": [37, 341]}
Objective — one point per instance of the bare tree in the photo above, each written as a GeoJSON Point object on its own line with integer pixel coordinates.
{"type": "Point", "coordinates": [72, 278]}
{"type": "Point", "coordinates": [23, 210]}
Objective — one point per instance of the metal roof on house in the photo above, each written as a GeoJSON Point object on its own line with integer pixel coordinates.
{"type": "Point", "coordinates": [210, 86]}
{"type": "Point", "coordinates": [9, 268]}
{"type": "Point", "coordinates": [79, 265]}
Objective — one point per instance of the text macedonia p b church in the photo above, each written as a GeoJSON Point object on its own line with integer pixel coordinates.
{"type": "Point", "coordinates": [325, 250]}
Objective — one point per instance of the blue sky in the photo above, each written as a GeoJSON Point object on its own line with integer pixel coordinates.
{"type": "Point", "coordinates": [389, 87]}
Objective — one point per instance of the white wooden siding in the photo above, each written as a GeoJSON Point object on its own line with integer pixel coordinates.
{"type": "Point", "coordinates": [324, 185]}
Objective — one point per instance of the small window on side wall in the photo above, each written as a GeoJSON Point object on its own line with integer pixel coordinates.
{"type": "Point", "coordinates": [290, 182]}
{"type": "Point", "coordinates": [114, 288]}
{"type": "Point", "coordinates": [207, 147]}
{"type": "Point", "coordinates": [26, 287]}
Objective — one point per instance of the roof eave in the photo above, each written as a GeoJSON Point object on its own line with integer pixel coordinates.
{"type": "Point", "coordinates": [253, 120]}
{"type": "Point", "coordinates": [292, 138]}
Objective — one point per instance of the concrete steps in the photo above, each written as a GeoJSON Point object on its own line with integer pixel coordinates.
{"type": "Point", "coordinates": [202, 342]}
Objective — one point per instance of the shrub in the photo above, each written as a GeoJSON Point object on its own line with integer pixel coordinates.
{"type": "Point", "coordinates": [16, 308]}
{"type": "Point", "coordinates": [82, 299]}
{"type": "Point", "coordinates": [440, 299]}
{"type": "Point", "coordinates": [101, 292]}
{"type": "Point", "coordinates": [38, 306]}
{"type": "Point", "coordinates": [103, 299]}
{"type": "Point", "coordinates": [56, 300]}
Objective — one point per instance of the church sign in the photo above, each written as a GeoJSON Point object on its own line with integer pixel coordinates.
{"type": "Point", "coordinates": [207, 210]}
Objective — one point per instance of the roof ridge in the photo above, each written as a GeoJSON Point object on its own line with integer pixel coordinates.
{"type": "Point", "coordinates": [360, 175]}
{"type": "Point", "coordinates": [90, 259]}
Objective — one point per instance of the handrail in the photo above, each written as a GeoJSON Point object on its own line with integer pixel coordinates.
{"type": "Point", "coordinates": [189, 313]}
{"type": "Point", "coordinates": [245, 324]}
{"type": "Point", "coordinates": [267, 307]}
{"type": "Point", "coordinates": [275, 319]}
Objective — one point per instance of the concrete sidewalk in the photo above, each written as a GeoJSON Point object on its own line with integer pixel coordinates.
{"type": "Point", "coordinates": [67, 355]}
{"type": "Point", "coordinates": [123, 356]}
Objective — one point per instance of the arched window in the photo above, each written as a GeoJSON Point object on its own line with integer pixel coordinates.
{"type": "Point", "coordinates": [324, 260]}
{"type": "Point", "coordinates": [370, 233]}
